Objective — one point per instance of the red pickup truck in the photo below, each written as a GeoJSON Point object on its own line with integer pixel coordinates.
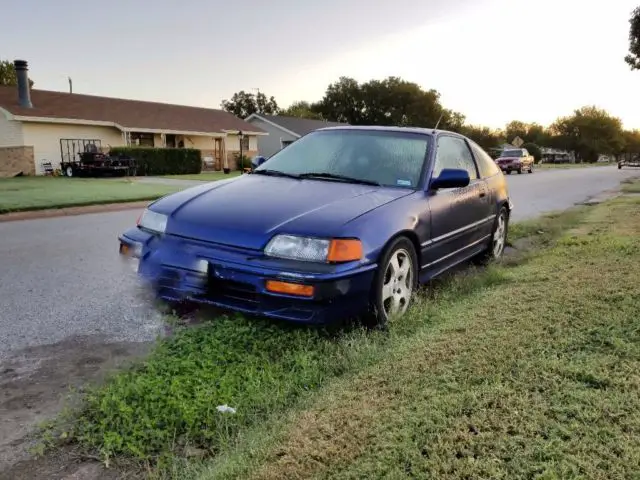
{"type": "Point", "coordinates": [516, 159]}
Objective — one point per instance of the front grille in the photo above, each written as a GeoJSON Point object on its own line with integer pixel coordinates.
{"type": "Point", "coordinates": [230, 290]}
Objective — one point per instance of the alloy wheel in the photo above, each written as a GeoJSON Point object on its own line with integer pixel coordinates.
{"type": "Point", "coordinates": [499, 236]}
{"type": "Point", "coordinates": [397, 285]}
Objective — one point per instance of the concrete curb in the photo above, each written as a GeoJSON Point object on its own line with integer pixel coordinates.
{"type": "Point", "coordinates": [68, 211]}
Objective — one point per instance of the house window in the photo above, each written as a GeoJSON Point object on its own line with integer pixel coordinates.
{"type": "Point", "coordinates": [170, 140]}
{"type": "Point", "coordinates": [245, 143]}
{"type": "Point", "coordinates": [142, 139]}
{"type": "Point", "coordinates": [285, 143]}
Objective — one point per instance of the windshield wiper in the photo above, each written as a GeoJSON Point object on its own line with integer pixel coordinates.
{"type": "Point", "coordinates": [342, 178]}
{"type": "Point", "coordinates": [275, 173]}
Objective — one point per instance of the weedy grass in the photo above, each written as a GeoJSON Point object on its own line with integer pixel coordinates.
{"type": "Point", "coordinates": [521, 370]}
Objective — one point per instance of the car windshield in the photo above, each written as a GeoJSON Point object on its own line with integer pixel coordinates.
{"type": "Point", "coordinates": [512, 153]}
{"type": "Point", "coordinates": [389, 158]}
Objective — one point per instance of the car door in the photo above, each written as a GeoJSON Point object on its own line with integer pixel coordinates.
{"type": "Point", "coordinates": [458, 215]}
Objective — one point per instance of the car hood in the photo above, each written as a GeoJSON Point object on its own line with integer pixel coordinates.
{"type": "Point", "coordinates": [248, 211]}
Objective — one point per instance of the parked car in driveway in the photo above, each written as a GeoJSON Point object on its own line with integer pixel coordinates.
{"type": "Point", "coordinates": [516, 160]}
{"type": "Point", "coordinates": [346, 221]}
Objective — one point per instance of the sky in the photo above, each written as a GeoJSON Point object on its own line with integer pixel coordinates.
{"type": "Point", "coordinates": [492, 60]}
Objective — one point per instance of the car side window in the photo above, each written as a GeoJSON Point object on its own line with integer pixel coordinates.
{"type": "Point", "coordinates": [453, 152]}
{"type": "Point", "coordinates": [486, 164]}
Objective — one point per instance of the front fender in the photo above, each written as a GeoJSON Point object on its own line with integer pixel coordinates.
{"type": "Point", "coordinates": [409, 216]}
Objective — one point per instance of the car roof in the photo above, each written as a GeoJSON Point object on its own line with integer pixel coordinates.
{"type": "Point", "coordinates": [420, 130]}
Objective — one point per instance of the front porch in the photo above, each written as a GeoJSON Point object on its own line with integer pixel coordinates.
{"type": "Point", "coordinates": [219, 150]}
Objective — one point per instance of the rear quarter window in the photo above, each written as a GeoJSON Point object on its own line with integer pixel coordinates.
{"type": "Point", "coordinates": [486, 164]}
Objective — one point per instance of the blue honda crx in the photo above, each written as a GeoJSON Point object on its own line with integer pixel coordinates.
{"type": "Point", "coordinates": [343, 222]}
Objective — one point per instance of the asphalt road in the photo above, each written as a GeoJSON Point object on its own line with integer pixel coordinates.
{"type": "Point", "coordinates": [62, 277]}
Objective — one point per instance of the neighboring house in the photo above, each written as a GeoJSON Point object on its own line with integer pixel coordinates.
{"type": "Point", "coordinates": [283, 130]}
{"type": "Point", "coordinates": [555, 155]}
{"type": "Point", "coordinates": [38, 126]}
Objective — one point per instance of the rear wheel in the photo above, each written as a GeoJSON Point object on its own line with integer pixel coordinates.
{"type": "Point", "coordinates": [519, 170]}
{"type": "Point", "coordinates": [68, 171]}
{"type": "Point", "coordinates": [531, 168]}
{"type": "Point", "coordinates": [394, 284]}
{"type": "Point", "coordinates": [495, 250]}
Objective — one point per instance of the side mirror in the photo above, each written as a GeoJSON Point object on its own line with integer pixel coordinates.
{"type": "Point", "coordinates": [257, 161]}
{"type": "Point", "coordinates": [451, 178]}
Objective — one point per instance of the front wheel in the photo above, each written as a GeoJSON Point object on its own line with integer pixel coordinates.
{"type": "Point", "coordinates": [394, 283]}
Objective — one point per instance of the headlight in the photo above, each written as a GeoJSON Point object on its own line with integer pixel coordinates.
{"type": "Point", "coordinates": [314, 249]}
{"type": "Point", "coordinates": [298, 248]}
{"type": "Point", "coordinates": [153, 221]}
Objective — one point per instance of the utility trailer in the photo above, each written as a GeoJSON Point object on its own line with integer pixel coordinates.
{"type": "Point", "coordinates": [84, 158]}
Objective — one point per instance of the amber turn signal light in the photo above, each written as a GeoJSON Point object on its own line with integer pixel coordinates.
{"type": "Point", "coordinates": [290, 288]}
{"type": "Point", "coordinates": [344, 250]}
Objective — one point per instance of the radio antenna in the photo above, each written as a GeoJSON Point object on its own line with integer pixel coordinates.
{"type": "Point", "coordinates": [438, 123]}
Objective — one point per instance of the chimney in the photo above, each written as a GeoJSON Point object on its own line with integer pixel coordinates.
{"type": "Point", "coordinates": [24, 93]}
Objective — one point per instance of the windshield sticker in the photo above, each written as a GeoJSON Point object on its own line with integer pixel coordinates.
{"type": "Point", "coordinates": [404, 183]}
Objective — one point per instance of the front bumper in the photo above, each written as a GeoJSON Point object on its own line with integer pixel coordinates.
{"type": "Point", "coordinates": [184, 270]}
{"type": "Point", "coordinates": [509, 167]}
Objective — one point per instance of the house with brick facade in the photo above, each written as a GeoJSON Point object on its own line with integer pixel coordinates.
{"type": "Point", "coordinates": [36, 127]}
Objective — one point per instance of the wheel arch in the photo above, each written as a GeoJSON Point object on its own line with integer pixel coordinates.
{"type": "Point", "coordinates": [409, 235]}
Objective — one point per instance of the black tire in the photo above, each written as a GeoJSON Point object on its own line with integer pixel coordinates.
{"type": "Point", "coordinates": [531, 168]}
{"type": "Point", "coordinates": [520, 171]}
{"type": "Point", "coordinates": [379, 311]}
{"type": "Point", "coordinates": [491, 254]}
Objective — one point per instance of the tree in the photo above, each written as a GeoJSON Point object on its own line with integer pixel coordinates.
{"type": "Point", "coordinates": [633, 58]}
{"type": "Point", "coordinates": [589, 132]}
{"type": "Point", "coordinates": [528, 132]}
{"type": "Point", "coordinates": [391, 101]}
{"type": "Point", "coordinates": [8, 74]}
{"type": "Point", "coordinates": [302, 109]}
{"type": "Point", "coordinates": [483, 136]}
{"type": "Point", "coordinates": [243, 104]}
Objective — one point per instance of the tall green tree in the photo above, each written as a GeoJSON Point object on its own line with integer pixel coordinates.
{"type": "Point", "coordinates": [633, 58]}
{"type": "Point", "coordinates": [8, 74]}
{"type": "Point", "coordinates": [528, 132]}
{"type": "Point", "coordinates": [589, 132]}
{"type": "Point", "coordinates": [243, 104]}
{"type": "Point", "coordinates": [302, 109]}
{"type": "Point", "coordinates": [486, 137]}
{"type": "Point", "coordinates": [390, 101]}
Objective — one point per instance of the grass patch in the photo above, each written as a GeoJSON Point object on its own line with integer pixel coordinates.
{"type": "Point", "coordinates": [205, 176]}
{"type": "Point", "coordinates": [37, 193]}
{"type": "Point", "coordinates": [514, 371]}
{"type": "Point", "coordinates": [563, 166]}
{"type": "Point", "coordinates": [631, 186]}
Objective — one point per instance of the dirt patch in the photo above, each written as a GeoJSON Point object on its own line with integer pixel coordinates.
{"type": "Point", "coordinates": [34, 384]}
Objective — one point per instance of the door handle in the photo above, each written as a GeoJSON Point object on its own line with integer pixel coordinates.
{"type": "Point", "coordinates": [483, 193]}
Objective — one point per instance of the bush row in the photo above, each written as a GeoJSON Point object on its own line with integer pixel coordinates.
{"type": "Point", "coordinates": [162, 161]}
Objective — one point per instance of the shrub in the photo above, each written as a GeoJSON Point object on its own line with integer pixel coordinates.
{"type": "Point", "coordinates": [163, 161]}
{"type": "Point", "coordinates": [534, 150]}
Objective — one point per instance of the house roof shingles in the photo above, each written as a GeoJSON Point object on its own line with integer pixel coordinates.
{"type": "Point", "coordinates": [301, 126]}
{"type": "Point", "coordinates": [130, 114]}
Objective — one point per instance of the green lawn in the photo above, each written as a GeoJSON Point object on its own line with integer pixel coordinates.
{"type": "Point", "coordinates": [562, 166]}
{"type": "Point", "coordinates": [36, 193]}
{"type": "Point", "coordinates": [205, 176]}
{"type": "Point", "coordinates": [528, 369]}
